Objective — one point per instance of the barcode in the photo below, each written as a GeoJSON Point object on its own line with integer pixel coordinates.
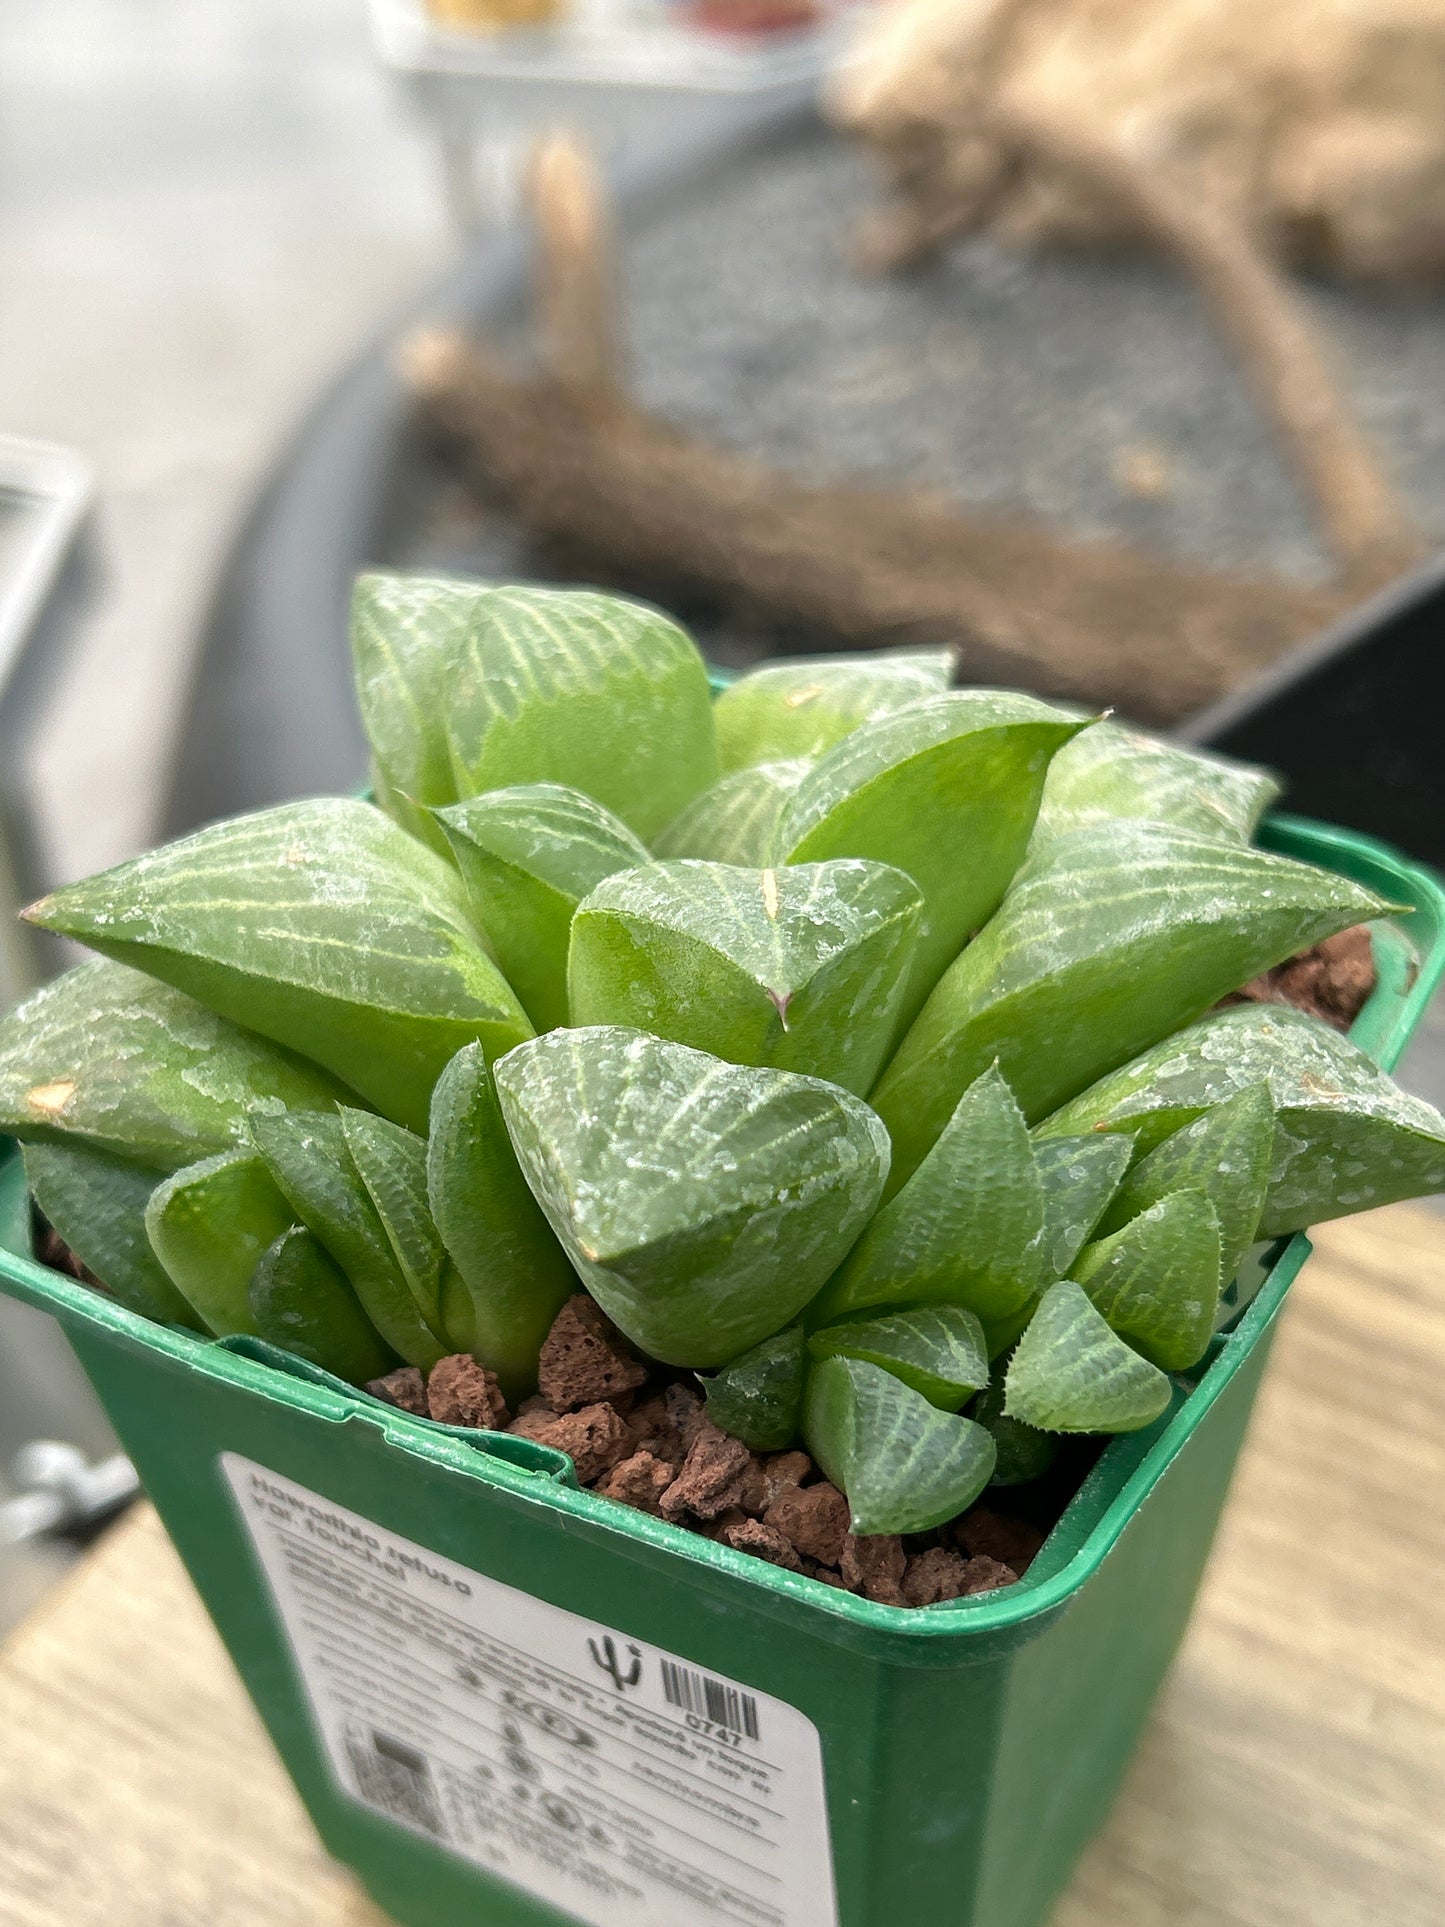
{"type": "Point", "coordinates": [710, 1699]}
{"type": "Point", "coordinates": [396, 1780]}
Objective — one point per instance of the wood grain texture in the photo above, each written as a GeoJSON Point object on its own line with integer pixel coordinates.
{"type": "Point", "coordinates": [1293, 1773]}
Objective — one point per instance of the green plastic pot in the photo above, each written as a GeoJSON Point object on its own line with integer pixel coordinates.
{"type": "Point", "coordinates": [505, 1699]}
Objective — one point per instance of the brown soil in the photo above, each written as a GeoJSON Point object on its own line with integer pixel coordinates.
{"type": "Point", "coordinates": [1332, 981]}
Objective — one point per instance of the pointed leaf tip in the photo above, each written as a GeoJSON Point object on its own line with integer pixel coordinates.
{"type": "Point", "coordinates": [803, 969]}
{"type": "Point", "coordinates": [904, 1465]}
{"type": "Point", "coordinates": [965, 1229]}
{"type": "Point", "coordinates": [1070, 1373]}
{"type": "Point", "coordinates": [1157, 1281]}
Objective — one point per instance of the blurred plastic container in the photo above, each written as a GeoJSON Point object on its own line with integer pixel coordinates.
{"type": "Point", "coordinates": [487, 74]}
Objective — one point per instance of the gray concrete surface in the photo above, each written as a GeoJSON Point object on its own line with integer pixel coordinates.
{"type": "Point", "coordinates": [203, 205]}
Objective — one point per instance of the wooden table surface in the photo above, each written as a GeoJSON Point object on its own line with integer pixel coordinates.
{"type": "Point", "coordinates": [1293, 1774]}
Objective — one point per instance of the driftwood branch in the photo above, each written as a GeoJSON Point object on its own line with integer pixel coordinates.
{"type": "Point", "coordinates": [576, 297]}
{"type": "Point", "coordinates": [957, 153]}
{"type": "Point", "coordinates": [1362, 518]}
{"type": "Point", "coordinates": [1096, 623]}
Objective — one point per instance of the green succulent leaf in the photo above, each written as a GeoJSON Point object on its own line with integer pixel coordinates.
{"type": "Point", "coordinates": [1226, 1153]}
{"type": "Point", "coordinates": [937, 1349]}
{"type": "Point", "coordinates": [735, 821]}
{"type": "Point", "coordinates": [208, 1225]}
{"type": "Point", "coordinates": [1023, 1453]}
{"type": "Point", "coordinates": [527, 856]}
{"type": "Point", "coordinates": [965, 1229]}
{"type": "Point", "coordinates": [946, 789]}
{"type": "Point", "coordinates": [392, 1163]}
{"type": "Point", "coordinates": [514, 1275]}
{"type": "Point", "coordinates": [1071, 1373]}
{"type": "Point", "coordinates": [1346, 1137]}
{"type": "Point", "coordinates": [802, 708]}
{"type": "Point", "coordinates": [803, 968]}
{"type": "Point", "coordinates": [109, 1058]}
{"type": "Point", "coordinates": [1157, 1281]}
{"type": "Point", "coordinates": [407, 633]}
{"type": "Point", "coordinates": [904, 1465]}
{"type": "Point", "coordinates": [1112, 771]}
{"type": "Point", "coordinates": [758, 1398]}
{"type": "Point", "coordinates": [319, 924]}
{"type": "Point", "coordinates": [97, 1202]}
{"type": "Point", "coordinates": [1079, 1176]}
{"type": "Point", "coordinates": [552, 685]}
{"type": "Point", "coordinates": [1110, 939]}
{"type": "Point", "coordinates": [301, 1302]}
{"type": "Point", "coordinates": [307, 1155]}
{"type": "Point", "coordinates": [702, 1203]}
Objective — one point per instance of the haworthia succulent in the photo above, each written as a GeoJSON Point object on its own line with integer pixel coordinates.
{"type": "Point", "coordinates": [802, 968]}
{"type": "Point", "coordinates": [515, 1274]}
{"type": "Point", "coordinates": [937, 1349]}
{"type": "Point", "coordinates": [966, 1228]}
{"type": "Point", "coordinates": [392, 1163]}
{"type": "Point", "coordinates": [1112, 771]}
{"type": "Point", "coordinates": [300, 1300]}
{"type": "Point", "coordinates": [527, 856]}
{"type": "Point", "coordinates": [1110, 939]}
{"type": "Point", "coordinates": [703, 1203]}
{"type": "Point", "coordinates": [109, 1058]}
{"type": "Point", "coordinates": [549, 685]}
{"type": "Point", "coordinates": [735, 820]}
{"type": "Point", "coordinates": [1079, 1176]}
{"type": "Point", "coordinates": [97, 1203]}
{"type": "Point", "coordinates": [406, 633]}
{"type": "Point", "coordinates": [1071, 1373]}
{"type": "Point", "coordinates": [1023, 1453]}
{"type": "Point", "coordinates": [319, 924]}
{"type": "Point", "coordinates": [208, 1224]}
{"type": "Point", "coordinates": [1346, 1137]}
{"type": "Point", "coordinates": [307, 1155]}
{"type": "Point", "coordinates": [801, 708]}
{"type": "Point", "coordinates": [1227, 1153]}
{"type": "Point", "coordinates": [758, 1398]}
{"type": "Point", "coordinates": [1157, 1281]}
{"type": "Point", "coordinates": [904, 1465]}
{"type": "Point", "coordinates": [947, 789]}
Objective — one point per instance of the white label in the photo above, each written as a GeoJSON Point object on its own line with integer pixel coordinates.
{"type": "Point", "coordinates": [616, 1781]}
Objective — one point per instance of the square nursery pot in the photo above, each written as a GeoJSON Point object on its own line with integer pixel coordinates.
{"type": "Point", "coordinates": [508, 1700]}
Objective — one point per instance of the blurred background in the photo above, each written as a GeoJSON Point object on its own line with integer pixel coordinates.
{"type": "Point", "coordinates": [1136, 399]}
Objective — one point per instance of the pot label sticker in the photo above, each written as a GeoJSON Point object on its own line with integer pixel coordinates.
{"type": "Point", "coordinates": [617, 1782]}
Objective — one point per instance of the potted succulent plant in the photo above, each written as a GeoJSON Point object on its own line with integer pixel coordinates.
{"type": "Point", "coordinates": [688, 1279]}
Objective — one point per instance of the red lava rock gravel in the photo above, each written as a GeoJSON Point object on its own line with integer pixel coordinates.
{"type": "Point", "coordinates": [404, 1388]}
{"type": "Point", "coordinates": [459, 1391]}
{"type": "Point", "coordinates": [585, 1359]}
